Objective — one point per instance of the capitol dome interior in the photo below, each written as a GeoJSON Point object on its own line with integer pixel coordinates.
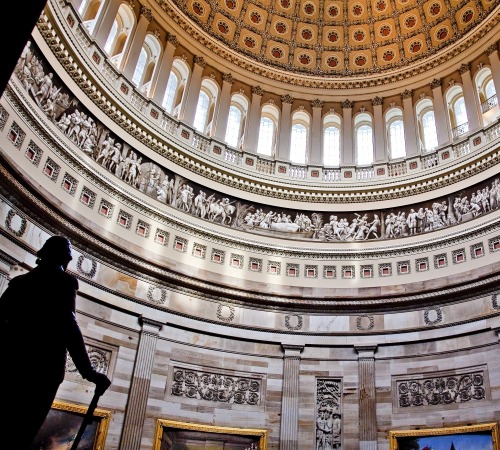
{"type": "Point", "coordinates": [284, 214]}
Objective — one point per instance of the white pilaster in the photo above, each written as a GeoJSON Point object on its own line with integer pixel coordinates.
{"type": "Point", "coordinates": [193, 91]}
{"type": "Point", "coordinates": [130, 62]}
{"type": "Point", "coordinates": [347, 157]}
{"type": "Point", "coordinates": [285, 128]}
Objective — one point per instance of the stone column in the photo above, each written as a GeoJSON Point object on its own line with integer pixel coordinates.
{"type": "Point", "coordinates": [367, 400]}
{"type": "Point", "coordinates": [347, 156]}
{"type": "Point", "coordinates": [105, 22]}
{"type": "Point", "coordinates": [440, 114]}
{"type": "Point", "coordinates": [193, 91]}
{"type": "Point", "coordinates": [224, 105]}
{"type": "Point", "coordinates": [470, 99]}
{"type": "Point", "coordinates": [139, 387]}
{"type": "Point", "coordinates": [285, 128]}
{"type": "Point", "coordinates": [317, 153]}
{"type": "Point", "coordinates": [492, 52]}
{"type": "Point", "coordinates": [130, 62]}
{"type": "Point", "coordinates": [289, 434]}
{"type": "Point", "coordinates": [410, 125]}
{"type": "Point", "coordinates": [160, 85]}
{"type": "Point", "coordinates": [379, 130]}
{"type": "Point", "coordinates": [252, 134]}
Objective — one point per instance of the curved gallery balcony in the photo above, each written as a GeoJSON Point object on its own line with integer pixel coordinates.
{"type": "Point", "coordinates": [260, 171]}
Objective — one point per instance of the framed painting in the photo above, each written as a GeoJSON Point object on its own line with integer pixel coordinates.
{"type": "Point", "coordinates": [470, 437]}
{"type": "Point", "coordinates": [173, 435]}
{"type": "Point", "coordinates": [62, 425]}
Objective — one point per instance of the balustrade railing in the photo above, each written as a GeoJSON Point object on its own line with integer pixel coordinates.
{"type": "Point", "coordinates": [461, 149]}
{"type": "Point", "coordinates": [429, 160]}
{"type": "Point", "coordinates": [365, 173]}
{"type": "Point", "coordinates": [460, 130]}
{"type": "Point", "coordinates": [298, 172]}
{"type": "Point", "coordinates": [232, 156]}
{"type": "Point", "coordinates": [490, 103]}
{"type": "Point", "coordinates": [332, 175]}
{"type": "Point", "coordinates": [397, 169]}
{"type": "Point", "coordinates": [265, 166]}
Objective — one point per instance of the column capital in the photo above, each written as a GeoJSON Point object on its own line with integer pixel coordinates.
{"type": "Point", "coordinates": [317, 103]}
{"type": "Point", "coordinates": [145, 321]}
{"type": "Point", "coordinates": [347, 104]}
{"type": "Point", "coordinates": [366, 351]}
{"type": "Point", "coordinates": [146, 12]}
{"type": "Point", "coordinates": [291, 350]}
{"type": "Point", "coordinates": [228, 78]}
{"type": "Point", "coordinates": [200, 61]}
{"type": "Point", "coordinates": [435, 83]}
{"type": "Point", "coordinates": [465, 67]}
{"type": "Point", "coordinates": [257, 90]}
{"type": "Point", "coordinates": [407, 93]}
{"type": "Point", "coordinates": [377, 101]}
{"type": "Point", "coordinates": [172, 39]}
{"type": "Point", "coordinates": [287, 99]}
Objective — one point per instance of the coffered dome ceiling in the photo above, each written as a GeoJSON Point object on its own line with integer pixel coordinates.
{"type": "Point", "coordinates": [333, 37]}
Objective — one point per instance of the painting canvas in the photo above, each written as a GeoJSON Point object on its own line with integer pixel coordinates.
{"type": "Point", "coordinates": [173, 435]}
{"type": "Point", "coordinates": [62, 425]}
{"type": "Point", "coordinates": [471, 437]}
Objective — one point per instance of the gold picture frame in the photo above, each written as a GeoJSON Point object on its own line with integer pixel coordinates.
{"type": "Point", "coordinates": [167, 430]}
{"type": "Point", "coordinates": [467, 437]}
{"type": "Point", "coordinates": [64, 421]}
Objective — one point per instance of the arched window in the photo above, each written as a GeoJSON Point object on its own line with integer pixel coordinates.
{"type": "Point", "coordinates": [331, 140]}
{"type": "Point", "coordinates": [395, 133]}
{"type": "Point", "coordinates": [460, 111]}
{"type": "Point", "coordinates": [427, 131]}
{"type": "Point", "coordinates": [119, 36]}
{"type": "Point", "coordinates": [170, 92]}
{"type": "Point", "coordinates": [299, 142]}
{"type": "Point", "coordinates": [175, 89]}
{"type": "Point", "coordinates": [363, 139]}
{"type": "Point", "coordinates": [139, 68]}
{"type": "Point", "coordinates": [268, 130]}
{"type": "Point", "coordinates": [233, 126]}
{"type": "Point", "coordinates": [146, 64]}
{"type": "Point", "coordinates": [457, 111]}
{"type": "Point", "coordinates": [206, 106]}
{"type": "Point", "coordinates": [200, 119]}
{"type": "Point", "coordinates": [89, 11]}
{"type": "Point", "coordinates": [111, 37]}
{"type": "Point", "coordinates": [487, 95]}
{"type": "Point", "coordinates": [236, 121]}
